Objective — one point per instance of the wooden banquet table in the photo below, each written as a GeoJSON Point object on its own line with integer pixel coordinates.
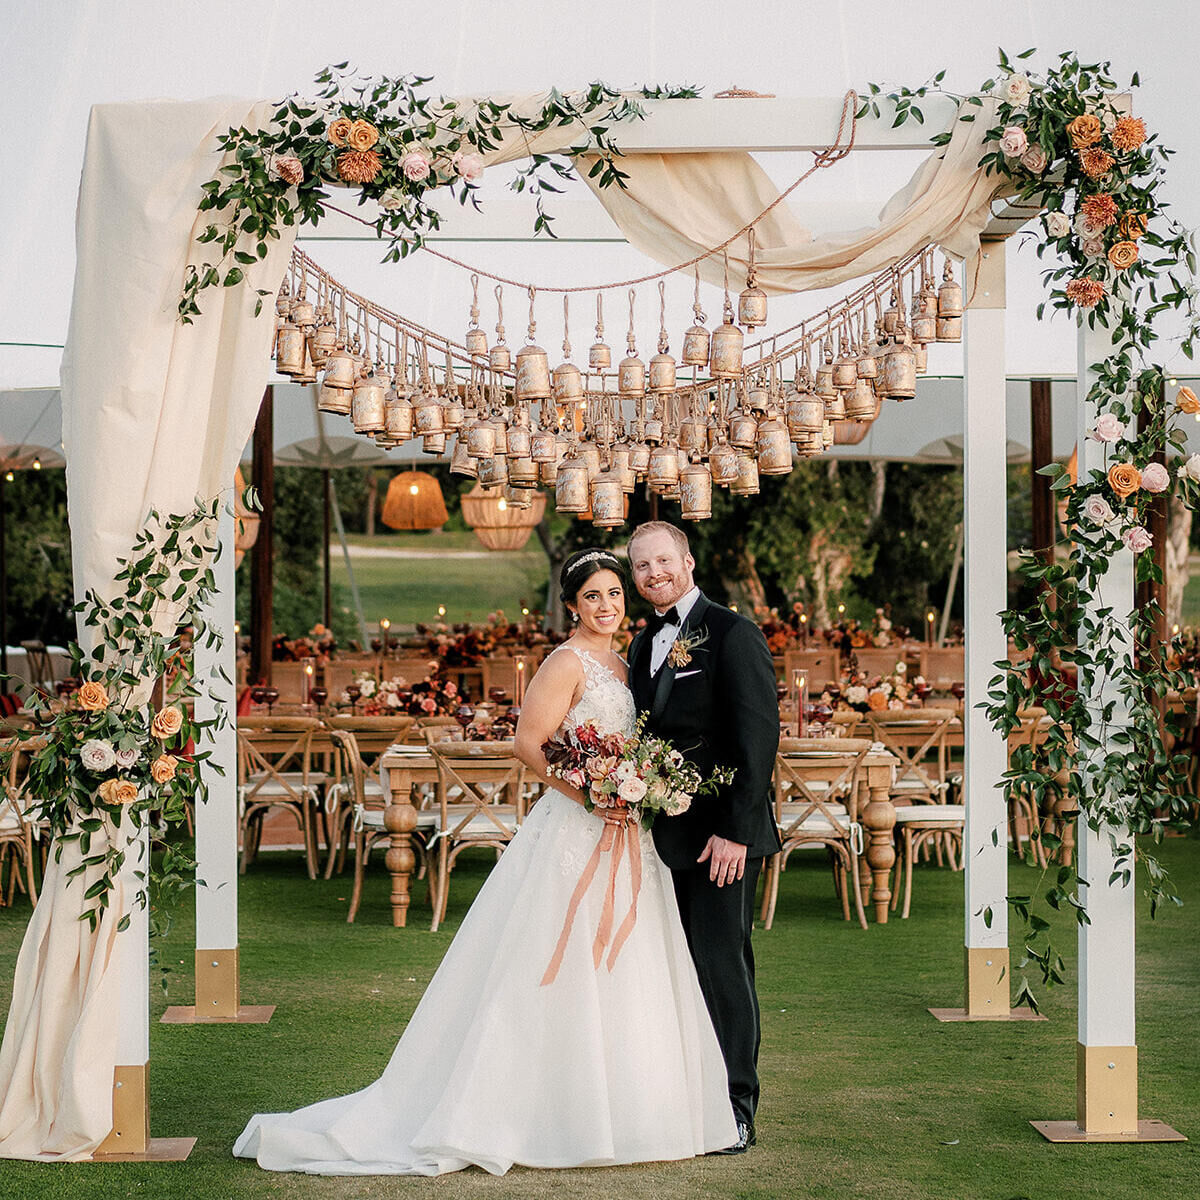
{"type": "Point", "coordinates": [404, 767]}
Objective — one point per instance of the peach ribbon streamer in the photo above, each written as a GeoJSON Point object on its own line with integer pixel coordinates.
{"type": "Point", "coordinates": [612, 840]}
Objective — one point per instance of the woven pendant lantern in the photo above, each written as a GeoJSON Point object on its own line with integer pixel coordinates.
{"type": "Point", "coordinates": [498, 524]}
{"type": "Point", "coordinates": [414, 501]}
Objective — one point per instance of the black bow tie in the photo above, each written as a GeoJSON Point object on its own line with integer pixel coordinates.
{"type": "Point", "coordinates": [656, 621]}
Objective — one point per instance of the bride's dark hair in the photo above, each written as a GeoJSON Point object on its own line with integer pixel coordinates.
{"type": "Point", "coordinates": [582, 565]}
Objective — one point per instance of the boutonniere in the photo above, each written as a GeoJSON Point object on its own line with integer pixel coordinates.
{"type": "Point", "coordinates": [680, 653]}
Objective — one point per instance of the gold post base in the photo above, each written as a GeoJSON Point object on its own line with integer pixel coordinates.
{"type": "Point", "coordinates": [130, 1133]}
{"type": "Point", "coordinates": [1061, 1132]}
{"type": "Point", "coordinates": [217, 989]}
{"type": "Point", "coordinates": [186, 1014]}
{"type": "Point", "coordinates": [987, 980]}
{"type": "Point", "coordinates": [1106, 1088]}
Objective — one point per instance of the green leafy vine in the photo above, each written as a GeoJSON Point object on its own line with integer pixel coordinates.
{"type": "Point", "coordinates": [394, 143]}
{"type": "Point", "coordinates": [1062, 140]}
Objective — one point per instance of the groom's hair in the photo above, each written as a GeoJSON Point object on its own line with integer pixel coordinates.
{"type": "Point", "coordinates": [673, 531]}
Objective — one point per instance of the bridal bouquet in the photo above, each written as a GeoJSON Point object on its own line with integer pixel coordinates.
{"type": "Point", "coordinates": [639, 773]}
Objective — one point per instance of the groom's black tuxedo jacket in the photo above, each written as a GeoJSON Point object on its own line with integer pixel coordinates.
{"type": "Point", "coordinates": [718, 710]}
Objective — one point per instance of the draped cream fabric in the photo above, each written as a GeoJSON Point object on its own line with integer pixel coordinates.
{"type": "Point", "coordinates": [675, 206]}
{"type": "Point", "coordinates": [155, 413]}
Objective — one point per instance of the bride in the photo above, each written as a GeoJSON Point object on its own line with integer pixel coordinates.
{"type": "Point", "coordinates": [599, 1067]}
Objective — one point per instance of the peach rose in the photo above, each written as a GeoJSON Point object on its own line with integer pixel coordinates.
{"type": "Point", "coordinates": [1132, 226]}
{"type": "Point", "coordinates": [118, 791]}
{"type": "Point", "coordinates": [1124, 479]}
{"type": "Point", "coordinates": [1014, 142]}
{"type": "Point", "coordinates": [339, 131]}
{"type": "Point", "coordinates": [1187, 401]}
{"type": "Point", "coordinates": [1085, 130]}
{"type": "Point", "coordinates": [415, 166]}
{"type": "Point", "coordinates": [877, 700]}
{"type": "Point", "coordinates": [1123, 254]}
{"type": "Point", "coordinates": [162, 769]}
{"type": "Point", "coordinates": [167, 723]}
{"type": "Point", "coordinates": [362, 136]}
{"type": "Point", "coordinates": [92, 697]}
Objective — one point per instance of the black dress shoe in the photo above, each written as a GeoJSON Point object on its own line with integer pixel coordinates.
{"type": "Point", "coordinates": [745, 1139]}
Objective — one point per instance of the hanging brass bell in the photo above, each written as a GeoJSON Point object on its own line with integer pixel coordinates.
{"type": "Point", "coordinates": [723, 463]}
{"type": "Point", "coordinates": [746, 483]}
{"type": "Point", "coordinates": [568, 383]}
{"type": "Point", "coordinates": [693, 434]}
{"type": "Point", "coordinates": [922, 357]}
{"type": "Point", "coordinates": [608, 502]}
{"type": "Point", "coordinates": [481, 439]}
{"type": "Point", "coordinates": [518, 497]}
{"type": "Point", "coordinates": [695, 347]}
{"type": "Point", "coordinates": [522, 471]}
{"type": "Point", "coordinates": [303, 314]}
{"type": "Point", "coordinates": [547, 473]}
{"type": "Point", "coordinates": [950, 294]}
{"type": "Point", "coordinates": [949, 329]}
{"type": "Point", "coordinates": [892, 315]}
{"type": "Point", "coordinates": [759, 396]}
{"type": "Point", "coordinates": [835, 407]}
{"type": "Point", "coordinates": [725, 350]}
{"type": "Point", "coordinates": [462, 463]}
{"type": "Point", "coordinates": [619, 467]}
{"type": "Point", "coordinates": [398, 415]}
{"type": "Point", "coordinates": [773, 447]}
{"type": "Point", "coordinates": [367, 407]}
{"type": "Point", "coordinates": [824, 382]}
{"type": "Point", "coordinates": [663, 471]}
{"type": "Point", "coordinates": [900, 370]}
{"type": "Point", "coordinates": [861, 402]}
{"type": "Point", "coordinates": [308, 372]}
{"type": "Point", "coordinates": [341, 369]}
{"type": "Point", "coordinates": [695, 492]}
{"type": "Point", "coordinates": [289, 349]}
{"type": "Point", "coordinates": [845, 369]}
{"type": "Point", "coordinates": [476, 342]}
{"type": "Point", "coordinates": [323, 338]}
{"type": "Point", "coordinates": [452, 413]}
{"type": "Point", "coordinates": [492, 470]}
{"type": "Point", "coordinates": [654, 430]}
{"type": "Point", "coordinates": [662, 371]}
{"type": "Point", "coordinates": [599, 359]}
{"type": "Point", "coordinates": [500, 357]}
{"type": "Point", "coordinates": [589, 452]}
{"type": "Point", "coordinates": [752, 306]}
{"type": "Point", "coordinates": [571, 487]}
{"type": "Point", "coordinates": [533, 373]}
{"type": "Point", "coordinates": [501, 435]}
{"type": "Point", "coordinates": [639, 459]}
{"type": "Point", "coordinates": [427, 415]}
{"type": "Point", "coordinates": [543, 446]}
{"type": "Point", "coordinates": [335, 399]}
{"type": "Point", "coordinates": [434, 443]}
{"type": "Point", "coordinates": [631, 376]}
{"type": "Point", "coordinates": [866, 366]}
{"type": "Point", "coordinates": [743, 430]}
{"type": "Point", "coordinates": [518, 442]}
{"type": "Point", "coordinates": [283, 302]}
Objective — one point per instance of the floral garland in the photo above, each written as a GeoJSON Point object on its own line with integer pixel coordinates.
{"type": "Point", "coordinates": [393, 144]}
{"type": "Point", "coordinates": [111, 764]}
{"type": "Point", "coordinates": [1062, 141]}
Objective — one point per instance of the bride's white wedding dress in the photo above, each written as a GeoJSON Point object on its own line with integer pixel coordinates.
{"type": "Point", "coordinates": [596, 1068]}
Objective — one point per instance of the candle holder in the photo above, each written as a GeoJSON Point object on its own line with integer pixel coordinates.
{"type": "Point", "coordinates": [800, 695]}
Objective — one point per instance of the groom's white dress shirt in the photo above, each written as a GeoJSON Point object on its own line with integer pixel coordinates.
{"type": "Point", "coordinates": [664, 639]}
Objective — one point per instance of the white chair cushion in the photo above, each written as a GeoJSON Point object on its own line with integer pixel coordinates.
{"type": "Point", "coordinates": [931, 814]}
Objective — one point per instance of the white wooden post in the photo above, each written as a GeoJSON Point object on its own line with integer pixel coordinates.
{"type": "Point", "coordinates": [130, 1134]}
{"type": "Point", "coordinates": [1106, 1050]}
{"type": "Point", "coordinates": [985, 850]}
{"type": "Point", "coordinates": [217, 990]}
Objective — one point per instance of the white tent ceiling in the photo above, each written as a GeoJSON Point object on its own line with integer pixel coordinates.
{"type": "Point", "coordinates": [64, 56]}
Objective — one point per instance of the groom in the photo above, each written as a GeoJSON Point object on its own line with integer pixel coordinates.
{"type": "Point", "coordinates": [704, 675]}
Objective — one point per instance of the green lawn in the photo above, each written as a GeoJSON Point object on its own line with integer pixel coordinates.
{"type": "Point", "coordinates": [408, 590]}
{"type": "Point", "coordinates": [864, 1094]}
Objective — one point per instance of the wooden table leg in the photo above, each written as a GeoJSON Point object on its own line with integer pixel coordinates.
{"type": "Point", "coordinates": [400, 819]}
{"type": "Point", "coordinates": [879, 818]}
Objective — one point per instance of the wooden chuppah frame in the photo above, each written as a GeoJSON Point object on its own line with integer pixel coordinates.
{"type": "Point", "coordinates": [782, 125]}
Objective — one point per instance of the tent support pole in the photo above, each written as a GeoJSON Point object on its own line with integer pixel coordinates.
{"type": "Point", "coordinates": [262, 555]}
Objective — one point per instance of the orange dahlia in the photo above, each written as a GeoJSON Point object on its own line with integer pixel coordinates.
{"type": "Point", "coordinates": [1100, 210]}
{"type": "Point", "coordinates": [1085, 291]}
{"type": "Point", "coordinates": [1129, 133]}
{"type": "Point", "coordinates": [359, 166]}
{"type": "Point", "coordinates": [1096, 163]}
{"type": "Point", "coordinates": [1085, 130]}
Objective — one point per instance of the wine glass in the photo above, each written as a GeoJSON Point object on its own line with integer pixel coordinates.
{"type": "Point", "coordinates": [464, 715]}
{"type": "Point", "coordinates": [270, 695]}
{"type": "Point", "coordinates": [497, 695]}
{"type": "Point", "coordinates": [958, 689]}
{"type": "Point", "coordinates": [353, 691]}
{"type": "Point", "coordinates": [318, 695]}
{"type": "Point", "coordinates": [258, 694]}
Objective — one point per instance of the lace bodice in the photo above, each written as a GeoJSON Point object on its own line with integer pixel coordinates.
{"type": "Point", "coordinates": [606, 701]}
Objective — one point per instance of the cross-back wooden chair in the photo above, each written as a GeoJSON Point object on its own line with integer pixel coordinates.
{"type": "Point", "coordinates": [275, 770]}
{"type": "Point", "coordinates": [943, 665]}
{"type": "Point", "coordinates": [822, 666]}
{"type": "Point", "coordinates": [1024, 820]}
{"type": "Point", "coordinates": [481, 802]}
{"type": "Point", "coordinates": [17, 833]}
{"type": "Point", "coordinates": [39, 664]}
{"type": "Point", "coordinates": [372, 737]}
{"type": "Point", "coordinates": [816, 804]}
{"type": "Point", "coordinates": [917, 737]}
{"type": "Point", "coordinates": [365, 805]}
{"type": "Point", "coordinates": [872, 660]}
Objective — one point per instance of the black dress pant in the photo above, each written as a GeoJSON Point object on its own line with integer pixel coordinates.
{"type": "Point", "coordinates": [718, 922]}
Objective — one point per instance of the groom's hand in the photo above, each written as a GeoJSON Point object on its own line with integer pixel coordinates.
{"type": "Point", "coordinates": [726, 860]}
